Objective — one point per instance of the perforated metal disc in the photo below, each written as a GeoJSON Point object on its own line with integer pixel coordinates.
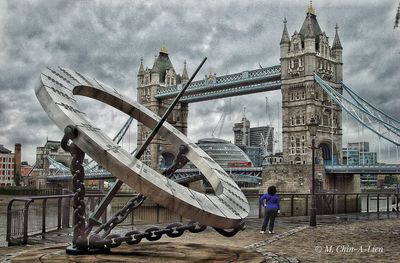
{"type": "Point", "coordinates": [223, 209]}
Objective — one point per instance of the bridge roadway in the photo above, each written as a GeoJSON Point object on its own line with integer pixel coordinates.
{"type": "Point", "coordinates": [248, 174]}
{"type": "Point", "coordinates": [213, 87]}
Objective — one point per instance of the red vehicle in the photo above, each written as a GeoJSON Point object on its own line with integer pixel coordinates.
{"type": "Point", "coordinates": [239, 164]}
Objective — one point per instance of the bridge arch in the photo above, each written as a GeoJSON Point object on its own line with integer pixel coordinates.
{"type": "Point", "coordinates": [167, 159]}
{"type": "Point", "coordinates": [326, 153]}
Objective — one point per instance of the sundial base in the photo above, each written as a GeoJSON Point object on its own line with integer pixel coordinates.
{"type": "Point", "coordinates": [167, 252]}
{"type": "Point", "coordinates": [75, 251]}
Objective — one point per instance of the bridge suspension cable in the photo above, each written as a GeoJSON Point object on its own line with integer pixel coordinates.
{"type": "Point", "coordinates": [117, 139]}
{"type": "Point", "coordinates": [394, 123]}
{"type": "Point", "coordinates": [92, 165]}
{"type": "Point", "coordinates": [368, 118]}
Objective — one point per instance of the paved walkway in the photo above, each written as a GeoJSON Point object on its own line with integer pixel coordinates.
{"type": "Point", "coordinates": [338, 238]}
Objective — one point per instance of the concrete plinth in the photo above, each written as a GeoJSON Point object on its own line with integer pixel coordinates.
{"type": "Point", "coordinates": [147, 252]}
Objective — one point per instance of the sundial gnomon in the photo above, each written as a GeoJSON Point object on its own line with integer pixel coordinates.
{"type": "Point", "coordinates": [225, 209]}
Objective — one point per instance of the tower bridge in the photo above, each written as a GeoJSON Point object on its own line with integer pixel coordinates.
{"type": "Point", "coordinates": [213, 87]}
{"type": "Point", "coordinates": [310, 77]}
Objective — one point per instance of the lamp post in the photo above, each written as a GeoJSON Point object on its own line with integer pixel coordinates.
{"type": "Point", "coordinates": [312, 129]}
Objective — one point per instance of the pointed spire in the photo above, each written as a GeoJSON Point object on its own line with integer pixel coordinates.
{"type": "Point", "coordinates": [163, 49]}
{"type": "Point", "coordinates": [285, 36]}
{"type": "Point", "coordinates": [155, 68]}
{"type": "Point", "coordinates": [311, 9]}
{"type": "Point", "coordinates": [309, 29]}
{"type": "Point", "coordinates": [185, 76]}
{"type": "Point", "coordinates": [141, 68]}
{"type": "Point", "coordinates": [336, 40]}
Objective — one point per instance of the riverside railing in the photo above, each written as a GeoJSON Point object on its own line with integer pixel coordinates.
{"type": "Point", "coordinates": [23, 221]}
{"type": "Point", "coordinates": [31, 216]}
{"type": "Point", "coordinates": [41, 214]}
{"type": "Point", "coordinates": [336, 203]}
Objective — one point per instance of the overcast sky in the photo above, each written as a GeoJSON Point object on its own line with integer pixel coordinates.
{"type": "Point", "coordinates": [106, 39]}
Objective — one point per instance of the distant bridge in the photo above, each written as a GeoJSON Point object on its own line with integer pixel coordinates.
{"type": "Point", "coordinates": [363, 169]}
{"type": "Point", "coordinates": [254, 81]}
{"type": "Point", "coordinates": [242, 175]}
{"type": "Point", "coordinates": [213, 87]}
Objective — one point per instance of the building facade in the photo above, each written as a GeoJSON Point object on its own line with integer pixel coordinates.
{"type": "Point", "coordinates": [262, 137]}
{"type": "Point", "coordinates": [7, 159]}
{"type": "Point", "coordinates": [246, 136]}
{"type": "Point", "coordinates": [162, 74]}
{"type": "Point", "coordinates": [256, 142]}
{"type": "Point", "coordinates": [55, 151]}
{"type": "Point", "coordinates": [305, 53]}
{"type": "Point", "coordinates": [224, 153]}
{"type": "Point", "coordinates": [241, 133]}
{"type": "Point", "coordinates": [358, 153]}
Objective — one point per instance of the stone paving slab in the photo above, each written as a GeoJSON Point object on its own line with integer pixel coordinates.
{"type": "Point", "coordinates": [294, 241]}
{"type": "Point", "coordinates": [361, 241]}
{"type": "Point", "coordinates": [167, 252]}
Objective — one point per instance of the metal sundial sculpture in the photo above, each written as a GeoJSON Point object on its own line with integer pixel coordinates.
{"type": "Point", "coordinates": [224, 210]}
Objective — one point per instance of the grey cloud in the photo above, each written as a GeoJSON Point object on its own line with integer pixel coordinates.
{"type": "Point", "coordinates": [106, 40]}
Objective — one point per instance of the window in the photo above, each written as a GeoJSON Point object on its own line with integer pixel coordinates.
{"type": "Point", "coordinates": [297, 120]}
{"type": "Point", "coordinates": [291, 96]}
{"type": "Point", "coordinates": [325, 120]}
{"type": "Point", "coordinates": [303, 95]}
{"type": "Point", "coordinates": [296, 63]}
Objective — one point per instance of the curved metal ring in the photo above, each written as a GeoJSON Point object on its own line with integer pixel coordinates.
{"type": "Point", "coordinates": [224, 209]}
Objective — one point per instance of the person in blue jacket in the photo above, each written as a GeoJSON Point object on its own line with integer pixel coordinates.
{"type": "Point", "coordinates": [270, 202]}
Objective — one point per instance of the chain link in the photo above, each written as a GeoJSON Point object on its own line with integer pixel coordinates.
{"type": "Point", "coordinates": [151, 234]}
{"type": "Point", "coordinates": [79, 239]}
{"type": "Point", "coordinates": [106, 240]}
{"type": "Point", "coordinates": [121, 215]}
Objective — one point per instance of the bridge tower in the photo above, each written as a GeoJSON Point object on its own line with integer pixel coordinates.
{"type": "Point", "coordinates": [305, 53]}
{"type": "Point", "coordinates": [162, 74]}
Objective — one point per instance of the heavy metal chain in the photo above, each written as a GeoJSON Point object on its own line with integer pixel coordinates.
{"type": "Point", "coordinates": [121, 215]}
{"type": "Point", "coordinates": [79, 239]}
{"type": "Point", "coordinates": [151, 234]}
{"type": "Point", "coordinates": [107, 240]}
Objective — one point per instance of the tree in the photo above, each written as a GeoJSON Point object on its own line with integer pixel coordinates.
{"type": "Point", "coordinates": [390, 179]}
